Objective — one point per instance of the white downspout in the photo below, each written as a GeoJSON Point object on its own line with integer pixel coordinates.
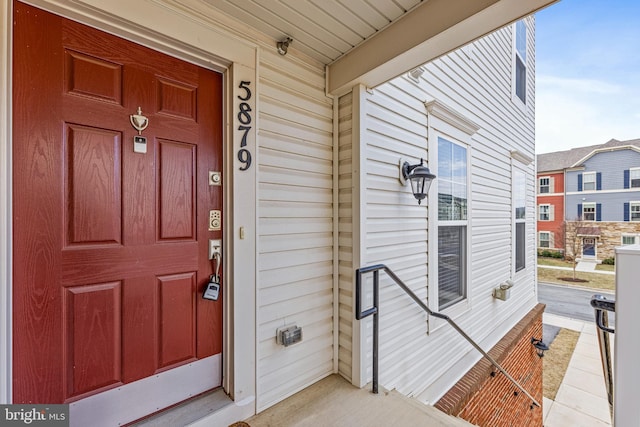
{"type": "Point", "coordinates": [336, 252]}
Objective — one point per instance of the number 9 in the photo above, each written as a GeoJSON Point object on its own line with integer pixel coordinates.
{"type": "Point", "coordinates": [244, 156]}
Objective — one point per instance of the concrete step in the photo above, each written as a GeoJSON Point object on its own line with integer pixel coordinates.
{"type": "Point", "coordinates": [333, 402]}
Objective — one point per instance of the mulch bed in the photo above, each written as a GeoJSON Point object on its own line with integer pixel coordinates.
{"type": "Point", "coordinates": [571, 279]}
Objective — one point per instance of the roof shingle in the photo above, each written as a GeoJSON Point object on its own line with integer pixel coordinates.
{"type": "Point", "coordinates": [560, 160]}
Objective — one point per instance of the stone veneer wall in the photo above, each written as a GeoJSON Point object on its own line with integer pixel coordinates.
{"type": "Point", "coordinates": [487, 399]}
{"type": "Point", "coordinates": [610, 237]}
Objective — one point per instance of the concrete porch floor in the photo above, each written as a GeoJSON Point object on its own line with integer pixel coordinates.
{"type": "Point", "coordinates": [333, 402]}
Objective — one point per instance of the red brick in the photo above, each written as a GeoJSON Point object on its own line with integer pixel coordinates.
{"type": "Point", "coordinates": [490, 401]}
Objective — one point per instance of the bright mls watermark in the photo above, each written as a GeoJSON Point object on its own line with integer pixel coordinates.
{"type": "Point", "coordinates": [34, 415]}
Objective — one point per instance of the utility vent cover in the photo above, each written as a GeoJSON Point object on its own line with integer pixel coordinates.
{"type": "Point", "coordinates": [288, 335]}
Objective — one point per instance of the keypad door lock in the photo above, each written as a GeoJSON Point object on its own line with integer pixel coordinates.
{"type": "Point", "coordinates": [215, 220]}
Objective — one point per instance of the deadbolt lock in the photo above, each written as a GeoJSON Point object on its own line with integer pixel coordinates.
{"type": "Point", "coordinates": [215, 220]}
{"type": "Point", "coordinates": [215, 178]}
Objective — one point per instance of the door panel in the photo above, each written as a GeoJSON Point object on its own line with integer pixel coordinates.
{"type": "Point", "coordinates": [110, 246]}
{"type": "Point", "coordinates": [92, 310]}
{"type": "Point", "coordinates": [93, 186]}
{"type": "Point", "coordinates": [176, 193]}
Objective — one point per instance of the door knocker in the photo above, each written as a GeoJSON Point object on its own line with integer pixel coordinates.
{"type": "Point", "coordinates": [139, 123]}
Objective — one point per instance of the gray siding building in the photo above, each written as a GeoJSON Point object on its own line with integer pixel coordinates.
{"type": "Point", "coordinates": [602, 191]}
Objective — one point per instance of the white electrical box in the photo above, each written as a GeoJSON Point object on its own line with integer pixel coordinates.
{"type": "Point", "coordinates": [289, 335]}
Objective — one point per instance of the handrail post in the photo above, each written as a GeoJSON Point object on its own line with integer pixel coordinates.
{"type": "Point", "coordinates": [376, 330]}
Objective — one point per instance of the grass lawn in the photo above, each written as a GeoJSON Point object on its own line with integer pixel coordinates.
{"type": "Point", "coordinates": [556, 361]}
{"type": "Point", "coordinates": [555, 262]}
{"type": "Point", "coordinates": [605, 267]}
{"type": "Point", "coordinates": [592, 280]}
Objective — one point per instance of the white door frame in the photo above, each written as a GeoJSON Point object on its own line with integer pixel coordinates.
{"type": "Point", "coordinates": [188, 35]}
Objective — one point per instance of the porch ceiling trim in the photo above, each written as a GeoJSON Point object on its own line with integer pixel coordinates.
{"type": "Point", "coordinates": [430, 30]}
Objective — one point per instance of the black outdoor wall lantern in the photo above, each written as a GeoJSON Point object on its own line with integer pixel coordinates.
{"type": "Point", "coordinates": [420, 177]}
{"type": "Point", "coordinates": [540, 346]}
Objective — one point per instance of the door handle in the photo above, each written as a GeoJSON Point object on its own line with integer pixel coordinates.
{"type": "Point", "coordinates": [215, 253]}
{"type": "Point", "coordinates": [212, 290]}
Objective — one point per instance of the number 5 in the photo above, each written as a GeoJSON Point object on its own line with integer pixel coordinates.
{"type": "Point", "coordinates": [245, 85]}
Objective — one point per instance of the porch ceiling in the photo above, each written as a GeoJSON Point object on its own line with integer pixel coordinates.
{"type": "Point", "coordinates": [372, 41]}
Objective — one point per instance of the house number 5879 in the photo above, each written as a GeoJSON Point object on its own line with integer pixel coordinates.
{"type": "Point", "coordinates": [244, 117]}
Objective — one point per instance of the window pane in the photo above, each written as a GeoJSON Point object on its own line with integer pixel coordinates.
{"type": "Point", "coordinates": [451, 264]}
{"type": "Point", "coordinates": [635, 211]}
{"type": "Point", "coordinates": [519, 197]}
{"type": "Point", "coordinates": [628, 240]}
{"type": "Point", "coordinates": [544, 240]}
{"type": "Point", "coordinates": [452, 181]}
{"type": "Point", "coordinates": [634, 176]}
{"type": "Point", "coordinates": [520, 245]}
{"type": "Point", "coordinates": [521, 80]}
{"type": "Point", "coordinates": [589, 181]}
{"type": "Point", "coordinates": [544, 185]}
{"type": "Point", "coordinates": [589, 212]}
{"type": "Point", "coordinates": [521, 39]}
{"type": "Point", "coordinates": [544, 212]}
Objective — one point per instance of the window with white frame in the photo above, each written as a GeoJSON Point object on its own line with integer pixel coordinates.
{"type": "Point", "coordinates": [634, 211]}
{"type": "Point", "coordinates": [628, 239]}
{"type": "Point", "coordinates": [588, 211]}
{"type": "Point", "coordinates": [519, 215]}
{"type": "Point", "coordinates": [544, 239]}
{"type": "Point", "coordinates": [543, 185]}
{"type": "Point", "coordinates": [634, 177]}
{"type": "Point", "coordinates": [452, 222]}
{"type": "Point", "coordinates": [520, 61]}
{"type": "Point", "coordinates": [544, 212]}
{"type": "Point", "coordinates": [588, 181]}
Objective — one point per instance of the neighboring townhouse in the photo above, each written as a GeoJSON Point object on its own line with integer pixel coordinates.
{"type": "Point", "coordinates": [601, 198]}
{"type": "Point", "coordinates": [550, 209]}
{"type": "Point", "coordinates": [187, 194]}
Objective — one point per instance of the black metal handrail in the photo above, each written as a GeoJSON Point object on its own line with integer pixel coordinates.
{"type": "Point", "coordinates": [603, 307]}
{"type": "Point", "coordinates": [374, 309]}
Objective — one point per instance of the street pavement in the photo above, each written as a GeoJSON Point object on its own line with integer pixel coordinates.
{"type": "Point", "coordinates": [570, 301]}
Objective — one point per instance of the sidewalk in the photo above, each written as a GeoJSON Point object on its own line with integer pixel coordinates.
{"type": "Point", "coordinates": [582, 398]}
{"type": "Point", "coordinates": [587, 269]}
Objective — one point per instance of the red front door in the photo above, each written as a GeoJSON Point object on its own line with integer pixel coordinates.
{"type": "Point", "coordinates": [110, 245]}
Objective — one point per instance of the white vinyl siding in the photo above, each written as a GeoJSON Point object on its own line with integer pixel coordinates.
{"type": "Point", "coordinates": [295, 237]}
{"type": "Point", "coordinates": [416, 358]}
{"type": "Point", "coordinates": [345, 237]}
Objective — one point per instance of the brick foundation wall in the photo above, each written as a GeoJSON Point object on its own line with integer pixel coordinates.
{"type": "Point", "coordinates": [493, 401]}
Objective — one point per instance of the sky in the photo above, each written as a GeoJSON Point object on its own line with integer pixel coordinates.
{"type": "Point", "coordinates": [587, 73]}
